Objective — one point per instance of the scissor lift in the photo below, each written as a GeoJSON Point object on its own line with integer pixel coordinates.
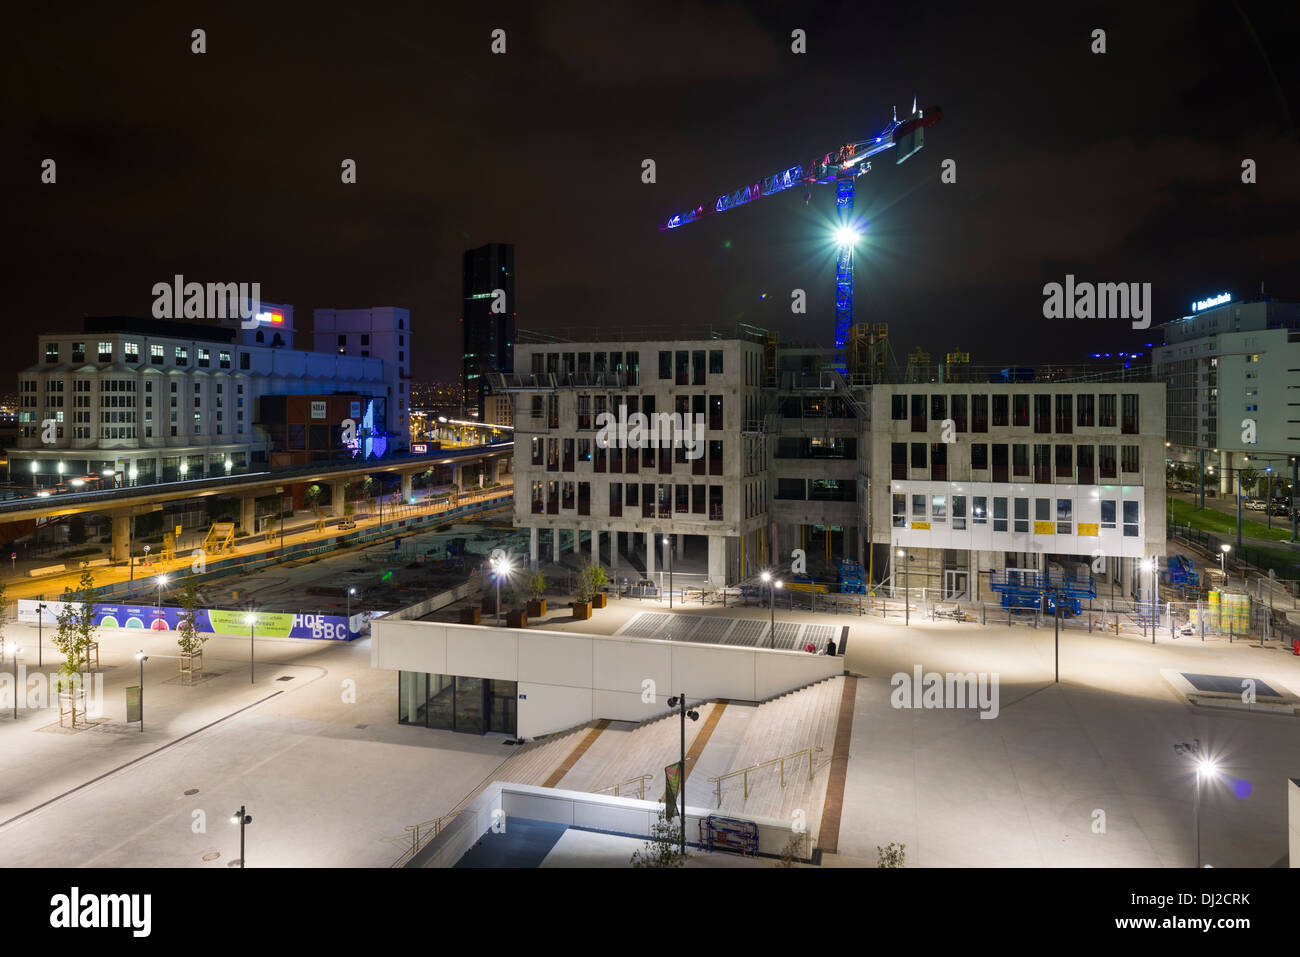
{"type": "Point", "coordinates": [851, 582]}
{"type": "Point", "coordinates": [1024, 589]}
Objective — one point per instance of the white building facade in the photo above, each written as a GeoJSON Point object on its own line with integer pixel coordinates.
{"type": "Point", "coordinates": [381, 332]}
{"type": "Point", "coordinates": [159, 400]}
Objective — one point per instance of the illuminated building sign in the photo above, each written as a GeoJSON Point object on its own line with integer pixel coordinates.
{"type": "Point", "coordinates": [275, 318]}
{"type": "Point", "coordinates": [1219, 300]}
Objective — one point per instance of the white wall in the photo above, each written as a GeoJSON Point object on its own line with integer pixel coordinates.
{"type": "Point", "coordinates": [600, 812]}
{"type": "Point", "coordinates": [566, 679]}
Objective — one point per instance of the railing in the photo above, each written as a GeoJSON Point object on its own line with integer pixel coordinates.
{"type": "Point", "coordinates": [765, 764]}
{"type": "Point", "coordinates": [639, 781]}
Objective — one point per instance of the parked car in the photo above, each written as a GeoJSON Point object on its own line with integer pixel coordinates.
{"type": "Point", "coordinates": [347, 524]}
{"type": "Point", "coordinates": [1255, 504]}
{"type": "Point", "coordinates": [1282, 508]}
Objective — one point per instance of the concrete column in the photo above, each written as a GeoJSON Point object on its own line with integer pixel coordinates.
{"type": "Point", "coordinates": [247, 513]}
{"type": "Point", "coordinates": [681, 545]}
{"type": "Point", "coordinates": [493, 472]}
{"type": "Point", "coordinates": [717, 561]}
{"type": "Point", "coordinates": [455, 476]}
{"type": "Point", "coordinates": [555, 545]}
{"type": "Point", "coordinates": [595, 546]}
{"type": "Point", "coordinates": [532, 548]}
{"type": "Point", "coordinates": [337, 497]}
{"type": "Point", "coordinates": [121, 538]}
{"type": "Point", "coordinates": [406, 486]}
{"type": "Point", "coordinates": [650, 555]}
{"type": "Point", "coordinates": [1225, 473]}
{"type": "Point", "coordinates": [613, 552]}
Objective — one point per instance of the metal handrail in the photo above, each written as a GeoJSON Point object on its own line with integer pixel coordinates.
{"type": "Point", "coordinates": [755, 767]}
{"type": "Point", "coordinates": [639, 781]}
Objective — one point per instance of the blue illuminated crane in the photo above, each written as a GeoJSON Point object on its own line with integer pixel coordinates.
{"type": "Point", "coordinates": [841, 167]}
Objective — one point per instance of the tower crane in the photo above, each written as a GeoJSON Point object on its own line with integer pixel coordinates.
{"type": "Point", "coordinates": [841, 167]}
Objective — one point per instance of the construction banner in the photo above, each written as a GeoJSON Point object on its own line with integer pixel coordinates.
{"type": "Point", "coordinates": [672, 788]}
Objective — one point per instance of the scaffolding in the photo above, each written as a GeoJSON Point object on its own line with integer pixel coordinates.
{"type": "Point", "coordinates": [918, 365]}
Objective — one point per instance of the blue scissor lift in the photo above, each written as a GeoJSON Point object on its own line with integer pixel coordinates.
{"type": "Point", "coordinates": [1024, 589]}
{"type": "Point", "coordinates": [851, 581]}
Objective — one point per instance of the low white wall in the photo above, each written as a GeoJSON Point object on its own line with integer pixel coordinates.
{"type": "Point", "coordinates": [601, 812]}
{"type": "Point", "coordinates": [567, 679]}
{"type": "Point", "coordinates": [1293, 818]}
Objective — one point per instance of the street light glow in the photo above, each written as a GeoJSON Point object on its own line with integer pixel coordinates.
{"type": "Point", "coordinates": [846, 235]}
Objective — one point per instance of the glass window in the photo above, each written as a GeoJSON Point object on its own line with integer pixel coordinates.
{"type": "Point", "coordinates": [900, 510]}
{"type": "Point", "coordinates": [938, 407]}
{"type": "Point", "coordinates": [1106, 410]}
{"type": "Point", "coordinates": [999, 514]}
{"type": "Point", "coordinates": [1064, 507]}
{"type": "Point", "coordinates": [1086, 410]}
{"type": "Point", "coordinates": [1130, 519]}
{"type": "Point", "coordinates": [918, 508]}
{"type": "Point", "coordinates": [1022, 515]}
{"type": "Point", "coordinates": [665, 364]}
{"type": "Point", "coordinates": [1020, 410]}
{"type": "Point", "coordinates": [898, 407]}
{"type": "Point", "coordinates": [979, 456]}
{"type": "Point", "coordinates": [959, 511]}
{"type": "Point", "coordinates": [1129, 461]}
{"type": "Point", "coordinates": [980, 510]}
{"type": "Point", "coordinates": [1042, 510]}
{"type": "Point", "coordinates": [918, 455]}
{"type": "Point", "coordinates": [715, 361]}
{"type": "Point", "coordinates": [1000, 405]}
{"type": "Point", "coordinates": [938, 508]}
{"type": "Point", "coordinates": [1108, 513]}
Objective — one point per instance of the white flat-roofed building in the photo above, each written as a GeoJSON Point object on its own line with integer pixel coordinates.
{"type": "Point", "coordinates": [976, 477]}
{"type": "Point", "coordinates": [379, 332]}
{"type": "Point", "coordinates": [158, 400]}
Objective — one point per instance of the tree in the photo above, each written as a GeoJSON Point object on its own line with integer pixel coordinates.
{"type": "Point", "coordinates": [891, 855]}
{"type": "Point", "coordinates": [590, 579]}
{"type": "Point", "coordinates": [188, 637]}
{"type": "Point", "coordinates": [76, 628]}
{"type": "Point", "coordinates": [313, 496]}
{"type": "Point", "coordinates": [793, 850]}
{"type": "Point", "coordinates": [534, 585]}
{"type": "Point", "coordinates": [663, 847]}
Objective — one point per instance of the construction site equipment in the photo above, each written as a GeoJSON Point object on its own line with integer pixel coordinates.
{"type": "Point", "coordinates": [918, 365]}
{"type": "Point", "coordinates": [220, 538]}
{"type": "Point", "coordinates": [1025, 589]}
{"type": "Point", "coordinates": [841, 167]}
{"type": "Point", "coordinates": [851, 580]}
{"type": "Point", "coordinates": [168, 548]}
{"type": "Point", "coordinates": [1181, 571]}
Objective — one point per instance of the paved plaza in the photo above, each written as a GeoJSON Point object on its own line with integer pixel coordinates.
{"type": "Point", "coordinates": [331, 778]}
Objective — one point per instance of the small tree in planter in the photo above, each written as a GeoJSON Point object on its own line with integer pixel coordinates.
{"type": "Point", "coordinates": [584, 589]}
{"type": "Point", "coordinates": [534, 585]}
{"type": "Point", "coordinates": [598, 582]}
{"type": "Point", "coordinates": [188, 637]}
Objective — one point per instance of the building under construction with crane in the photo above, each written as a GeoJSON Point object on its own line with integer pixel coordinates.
{"type": "Point", "coordinates": [936, 476]}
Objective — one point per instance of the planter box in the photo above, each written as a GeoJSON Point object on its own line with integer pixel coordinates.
{"type": "Point", "coordinates": [581, 610]}
{"type": "Point", "coordinates": [470, 616]}
{"type": "Point", "coordinates": [517, 619]}
{"type": "Point", "coordinates": [599, 599]}
{"type": "Point", "coordinates": [489, 605]}
{"type": "Point", "coordinates": [537, 608]}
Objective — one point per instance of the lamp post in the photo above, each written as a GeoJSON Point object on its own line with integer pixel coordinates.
{"type": "Point", "coordinates": [185, 468]}
{"type": "Point", "coordinates": [250, 620]}
{"type": "Point", "coordinates": [1149, 566]}
{"type": "Point", "coordinates": [500, 569]}
{"type": "Point", "coordinates": [351, 592]}
{"type": "Point", "coordinates": [668, 546]}
{"type": "Point", "coordinates": [141, 657]}
{"type": "Point", "coordinates": [40, 620]}
{"type": "Point", "coordinates": [1204, 767]}
{"type": "Point", "coordinates": [907, 592]}
{"type": "Point", "coordinates": [679, 702]}
{"type": "Point", "coordinates": [243, 819]}
{"type": "Point", "coordinates": [1223, 559]}
{"type": "Point", "coordinates": [162, 580]}
{"type": "Point", "coordinates": [772, 585]}
{"type": "Point", "coordinates": [14, 650]}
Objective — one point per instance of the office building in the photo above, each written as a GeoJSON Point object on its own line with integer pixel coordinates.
{"type": "Point", "coordinates": [487, 320]}
{"type": "Point", "coordinates": [381, 332]}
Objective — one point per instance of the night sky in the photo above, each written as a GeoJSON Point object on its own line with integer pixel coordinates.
{"type": "Point", "coordinates": [225, 167]}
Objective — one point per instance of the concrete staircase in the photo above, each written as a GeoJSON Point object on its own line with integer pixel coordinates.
{"type": "Point", "coordinates": [646, 748]}
{"type": "Point", "coordinates": [791, 722]}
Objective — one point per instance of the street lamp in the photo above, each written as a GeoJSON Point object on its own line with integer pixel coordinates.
{"type": "Point", "coordinates": [351, 592]}
{"type": "Point", "coordinates": [185, 468]}
{"type": "Point", "coordinates": [162, 580]}
{"type": "Point", "coordinates": [500, 569]}
{"type": "Point", "coordinates": [250, 620]}
{"type": "Point", "coordinates": [14, 650]}
{"type": "Point", "coordinates": [907, 590]}
{"type": "Point", "coordinates": [668, 545]}
{"type": "Point", "coordinates": [40, 621]}
{"type": "Point", "coordinates": [1149, 566]}
{"type": "Point", "coordinates": [243, 819]}
{"type": "Point", "coordinates": [772, 585]}
{"type": "Point", "coordinates": [679, 702]}
{"type": "Point", "coordinates": [1223, 558]}
{"type": "Point", "coordinates": [1205, 767]}
{"type": "Point", "coordinates": [141, 657]}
